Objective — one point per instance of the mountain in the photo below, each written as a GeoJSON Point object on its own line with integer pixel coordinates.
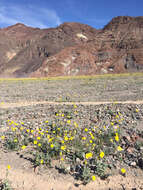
{"type": "Point", "coordinates": [72, 49]}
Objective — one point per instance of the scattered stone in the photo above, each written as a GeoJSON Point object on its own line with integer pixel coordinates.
{"type": "Point", "coordinates": [133, 164]}
{"type": "Point", "coordinates": [140, 163]}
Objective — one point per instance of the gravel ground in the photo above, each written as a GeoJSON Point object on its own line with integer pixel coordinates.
{"type": "Point", "coordinates": [132, 127]}
{"type": "Point", "coordinates": [82, 90]}
{"type": "Point", "coordinates": [116, 89]}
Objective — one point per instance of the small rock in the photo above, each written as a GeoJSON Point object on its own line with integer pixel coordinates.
{"type": "Point", "coordinates": [141, 148]}
{"type": "Point", "coordinates": [130, 150]}
{"type": "Point", "coordinates": [133, 164]}
{"type": "Point", "coordinates": [77, 160]}
{"type": "Point", "coordinates": [140, 163]}
{"type": "Point", "coordinates": [68, 168]}
{"type": "Point", "coordinates": [128, 138]}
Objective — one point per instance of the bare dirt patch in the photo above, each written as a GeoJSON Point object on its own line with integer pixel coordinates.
{"type": "Point", "coordinates": [21, 104]}
{"type": "Point", "coordinates": [23, 177]}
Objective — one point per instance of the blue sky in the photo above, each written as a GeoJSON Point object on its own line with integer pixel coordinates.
{"type": "Point", "coordinates": [51, 13]}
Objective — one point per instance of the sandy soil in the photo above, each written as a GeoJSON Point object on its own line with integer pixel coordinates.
{"type": "Point", "coordinates": [23, 177]}
{"type": "Point", "coordinates": [21, 104]}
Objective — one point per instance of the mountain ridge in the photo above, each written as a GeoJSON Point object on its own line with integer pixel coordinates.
{"type": "Point", "coordinates": [72, 49]}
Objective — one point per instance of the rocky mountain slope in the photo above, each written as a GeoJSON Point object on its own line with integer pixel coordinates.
{"type": "Point", "coordinates": [72, 49]}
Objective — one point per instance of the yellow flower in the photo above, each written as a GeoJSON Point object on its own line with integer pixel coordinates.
{"type": "Point", "coordinates": [101, 154]}
{"type": "Point", "coordinates": [71, 138]}
{"type": "Point", "coordinates": [32, 131]}
{"type": "Point", "coordinates": [61, 153]}
{"type": "Point", "coordinates": [8, 167]}
{"type": "Point", "coordinates": [50, 139]}
{"type": "Point", "coordinates": [66, 138]}
{"type": "Point", "coordinates": [62, 141]}
{"type": "Point", "coordinates": [35, 142]}
{"type": "Point", "coordinates": [83, 138]}
{"type": "Point", "coordinates": [48, 136]}
{"type": "Point", "coordinates": [62, 115]}
{"type": "Point", "coordinates": [88, 155]}
{"type": "Point", "coordinates": [63, 147]}
{"type": "Point", "coordinates": [21, 128]}
{"type": "Point", "coordinates": [123, 170]}
{"type": "Point", "coordinates": [94, 145]}
{"type": "Point", "coordinates": [68, 121]}
{"type": "Point", "coordinates": [13, 128]}
{"type": "Point", "coordinates": [86, 129]}
{"type": "Point", "coordinates": [117, 137]}
{"type": "Point", "coordinates": [85, 162]}
{"type": "Point", "coordinates": [92, 137]}
{"type": "Point", "coordinates": [75, 106]}
{"type": "Point", "coordinates": [75, 124]}
{"type": "Point", "coordinates": [119, 148]}
{"type": "Point", "coordinates": [93, 178]}
{"type": "Point", "coordinates": [38, 138]}
{"type": "Point", "coordinates": [111, 140]}
{"type": "Point", "coordinates": [62, 159]}
{"type": "Point", "coordinates": [39, 144]}
{"type": "Point", "coordinates": [91, 141]}
{"type": "Point", "coordinates": [3, 137]}
{"type": "Point", "coordinates": [42, 161]}
{"type": "Point", "coordinates": [15, 140]}
{"type": "Point", "coordinates": [52, 146]}
{"type": "Point", "coordinates": [23, 147]}
{"type": "Point", "coordinates": [46, 121]}
{"type": "Point", "coordinates": [137, 110]}
{"type": "Point", "coordinates": [28, 130]}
